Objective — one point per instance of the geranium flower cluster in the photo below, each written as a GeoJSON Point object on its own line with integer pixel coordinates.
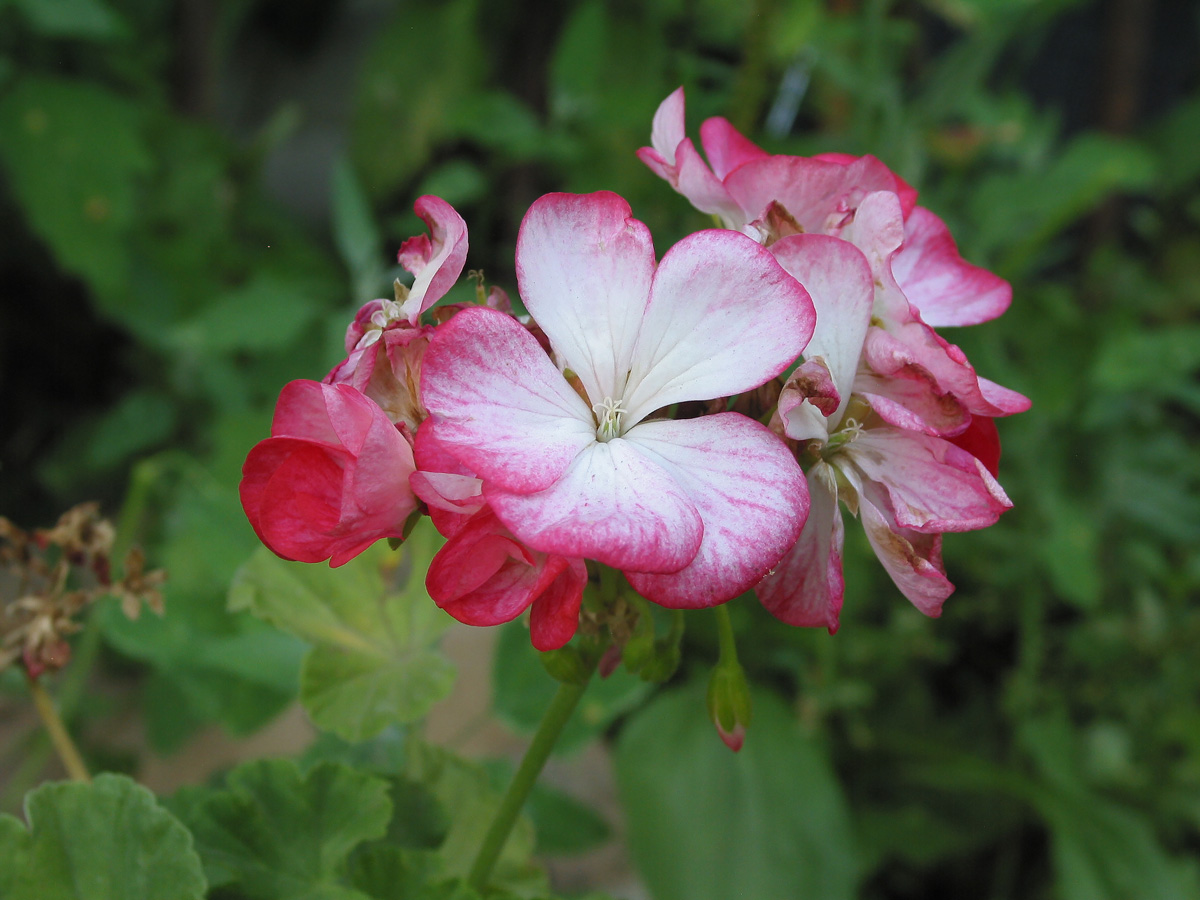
{"type": "Point", "coordinates": [610, 424]}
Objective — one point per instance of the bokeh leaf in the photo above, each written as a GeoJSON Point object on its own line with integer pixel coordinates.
{"type": "Point", "coordinates": [769, 821]}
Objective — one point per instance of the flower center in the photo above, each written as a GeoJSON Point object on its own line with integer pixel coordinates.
{"type": "Point", "coordinates": [608, 414]}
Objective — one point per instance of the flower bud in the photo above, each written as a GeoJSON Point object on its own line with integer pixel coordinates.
{"type": "Point", "coordinates": [566, 665]}
{"type": "Point", "coordinates": [729, 703]}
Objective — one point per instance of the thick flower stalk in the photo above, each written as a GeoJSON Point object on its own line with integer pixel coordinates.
{"type": "Point", "coordinates": [576, 459]}
{"type": "Point", "coordinates": [887, 418]}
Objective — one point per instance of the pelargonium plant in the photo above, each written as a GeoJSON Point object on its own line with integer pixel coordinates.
{"type": "Point", "coordinates": [678, 431]}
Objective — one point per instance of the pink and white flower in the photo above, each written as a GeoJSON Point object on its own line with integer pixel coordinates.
{"type": "Point", "coordinates": [694, 511]}
{"type": "Point", "coordinates": [907, 486]}
{"type": "Point", "coordinates": [333, 477]}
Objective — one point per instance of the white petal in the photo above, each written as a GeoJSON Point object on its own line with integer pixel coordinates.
{"type": "Point", "coordinates": [723, 318]}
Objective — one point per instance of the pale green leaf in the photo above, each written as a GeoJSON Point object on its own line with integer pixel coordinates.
{"type": "Point", "coordinates": [373, 628]}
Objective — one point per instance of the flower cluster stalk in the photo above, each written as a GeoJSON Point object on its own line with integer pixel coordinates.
{"type": "Point", "coordinates": [557, 714]}
{"type": "Point", "coordinates": [63, 745]}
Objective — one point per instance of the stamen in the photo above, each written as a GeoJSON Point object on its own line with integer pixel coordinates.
{"type": "Point", "coordinates": [608, 418]}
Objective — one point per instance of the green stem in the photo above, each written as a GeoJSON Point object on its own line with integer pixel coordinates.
{"type": "Point", "coordinates": [725, 640]}
{"type": "Point", "coordinates": [67, 751]}
{"type": "Point", "coordinates": [553, 721]}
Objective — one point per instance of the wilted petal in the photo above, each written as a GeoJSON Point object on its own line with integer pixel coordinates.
{"type": "Point", "coordinates": [750, 494]}
{"type": "Point", "coordinates": [937, 281]}
{"type": "Point", "coordinates": [807, 402]}
{"type": "Point", "coordinates": [982, 440]}
{"type": "Point", "coordinates": [723, 318]}
{"type": "Point", "coordinates": [931, 485]}
{"type": "Point", "coordinates": [435, 260]}
{"type": "Point", "coordinates": [498, 404]}
{"type": "Point", "coordinates": [910, 398]}
{"type": "Point", "coordinates": [612, 505]}
{"type": "Point", "coordinates": [914, 561]}
{"type": "Point", "coordinates": [807, 586]}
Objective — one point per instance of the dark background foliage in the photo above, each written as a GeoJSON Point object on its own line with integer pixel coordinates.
{"type": "Point", "coordinates": [197, 195]}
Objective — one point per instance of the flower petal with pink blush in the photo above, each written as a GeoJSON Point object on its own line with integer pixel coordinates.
{"type": "Point", "coordinates": [897, 350]}
{"type": "Point", "coordinates": [668, 127]}
{"type": "Point", "coordinates": [906, 192]}
{"type": "Point", "coordinates": [332, 479]}
{"type": "Point", "coordinates": [807, 402]}
{"type": "Point", "coordinates": [584, 268]}
{"type": "Point", "coordinates": [751, 496]}
{"type": "Point", "coordinates": [723, 317]}
{"type": "Point", "coordinates": [838, 278]}
{"type": "Point", "coordinates": [982, 440]}
{"type": "Point", "coordinates": [806, 587]}
{"type": "Point", "coordinates": [931, 485]}
{"type": "Point", "coordinates": [612, 505]}
{"type": "Point", "coordinates": [914, 561]}
{"type": "Point", "coordinates": [821, 196]}
{"type": "Point", "coordinates": [938, 282]}
{"type": "Point", "coordinates": [499, 405]}
{"type": "Point", "coordinates": [726, 147]}
{"type": "Point", "coordinates": [435, 260]}
{"type": "Point", "coordinates": [910, 398]}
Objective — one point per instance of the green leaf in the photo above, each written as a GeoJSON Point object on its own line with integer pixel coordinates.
{"type": "Point", "coordinates": [72, 18]}
{"type": "Point", "coordinates": [280, 835]}
{"type": "Point", "coordinates": [523, 690]}
{"type": "Point", "coordinates": [81, 202]}
{"type": "Point", "coordinates": [107, 839]}
{"type": "Point", "coordinates": [372, 625]}
{"type": "Point", "coordinates": [400, 112]}
{"type": "Point", "coordinates": [393, 873]}
{"type": "Point", "coordinates": [769, 821]}
{"type": "Point", "coordinates": [267, 313]}
{"type": "Point", "coordinates": [207, 665]}
{"type": "Point", "coordinates": [1153, 360]}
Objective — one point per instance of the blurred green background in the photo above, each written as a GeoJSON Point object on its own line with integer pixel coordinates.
{"type": "Point", "coordinates": [196, 196]}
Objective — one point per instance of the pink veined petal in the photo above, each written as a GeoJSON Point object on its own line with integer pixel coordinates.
{"type": "Point", "coordinates": [806, 587]}
{"type": "Point", "coordinates": [898, 350]}
{"type": "Point", "coordinates": [584, 267]}
{"type": "Point", "coordinates": [449, 489]}
{"type": "Point", "coordinates": [668, 127]}
{"type": "Point", "coordinates": [910, 398]}
{"type": "Point", "coordinates": [877, 230]}
{"type": "Point", "coordinates": [499, 405]}
{"type": "Point", "coordinates": [931, 485]}
{"type": "Point", "coordinates": [723, 318]}
{"type": "Point", "coordinates": [817, 194]}
{"type": "Point", "coordinates": [906, 193]}
{"type": "Point", "coordinates": [914, 561]}
{"type": "Point", "coordinates": [613, 505]}
{"type": "Point", "coordinates": [554, 616]}
{"type": "Point", "coordinates": [838, 278]}
{"type": "Point", "coordinates": [726, 147]}
{"type": "Point", "coordinates": [751, 496]}
{"type": "Point", "coordinates": [435, 261]}
{"type": "Point", "coordinates": [940, 283]}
